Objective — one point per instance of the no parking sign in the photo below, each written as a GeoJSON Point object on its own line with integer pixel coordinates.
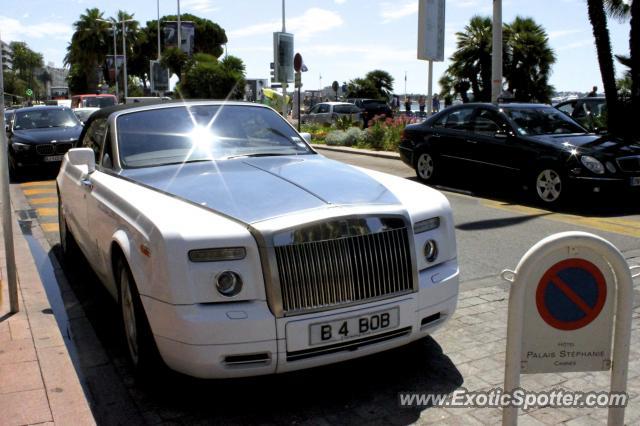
{"type": "Point", "coordinates": [564, 293]}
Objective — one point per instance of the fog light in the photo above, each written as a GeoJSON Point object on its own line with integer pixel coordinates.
{"type": "Point", "coordinates": [609, 165]}
{"type": "Point", "coordinates": [228, 283]}
{"type": "Point", "coordinates": [430, 251]}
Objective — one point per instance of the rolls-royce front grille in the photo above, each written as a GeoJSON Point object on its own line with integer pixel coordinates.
{"type": "Point", "coordinates": [45, 149]}
{"type": "Point", "coordinates": [324, 274]}
{"type": "Point", "coordinates": [62, 148]}
{"type": "Point", "coordinates": [629, 164]}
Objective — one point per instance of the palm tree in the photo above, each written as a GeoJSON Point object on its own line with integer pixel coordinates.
{"type": "Point", "coordinates": [598, 18]}
{"type": "Point", "coordinates": [132, 36]}
{"type": "Point", "coordinates": [634, 36]}
{"type": "Point", "coordinates": [528, 61]}
{"type": "Point", "coordinates": [89, 46]}
{"type": "Point", "coordinates": [383, 82]}
{"type": "Point", "coordinates": [472, 59]}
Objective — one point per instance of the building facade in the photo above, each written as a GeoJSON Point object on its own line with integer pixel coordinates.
{"type": "Point", "coordinates": [7, 56]}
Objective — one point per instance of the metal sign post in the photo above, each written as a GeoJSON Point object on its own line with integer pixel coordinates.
{"type": "Point", "coordinates": [561, 313]}
{"type": "Point", "coordinates": [7, 228]}
{"type": "Point", "coordinates": [431, 24]}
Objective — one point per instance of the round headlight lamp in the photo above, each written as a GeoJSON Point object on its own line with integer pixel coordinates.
{"type": "Point", "coordinates": [228, 283]}
{"type": "Point", "coordinates": [430, 250]}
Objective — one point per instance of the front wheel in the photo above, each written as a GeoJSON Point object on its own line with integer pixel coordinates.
{"type": "Point", "coordinates": [425, 167]}
{"type": "Point", "coordinates": [141, 346]}
{"type": "Point", "coordinates": [549, 186]}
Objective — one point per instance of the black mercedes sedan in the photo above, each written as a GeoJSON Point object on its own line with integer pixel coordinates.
{"type": "Point", "coordinates": [547, 149]}
{"type": "Point", "coordinates": [40, 136]}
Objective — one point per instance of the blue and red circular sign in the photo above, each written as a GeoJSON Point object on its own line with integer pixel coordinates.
{"type": "Point", "coordinates": [571, 294]}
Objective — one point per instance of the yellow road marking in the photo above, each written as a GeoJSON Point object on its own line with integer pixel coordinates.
{"type": "Point", "coordinates": [617, 226]}
{"type": "Point", "coordinates": [47, 211]}
{"type": "Point", "coordinates": [29, 192]}
{"type": "Point", "coordinates": [49, 227]}
{"type": "Point", "coordinates": [44, 200]}
{"type": "Point", "coordinates": [38, 183]}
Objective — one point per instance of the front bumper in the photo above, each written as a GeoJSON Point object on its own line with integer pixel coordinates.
{"type": "Point", "coordinates": [606, 184]}
{"type": "Point", "coordinates": [245, 339]}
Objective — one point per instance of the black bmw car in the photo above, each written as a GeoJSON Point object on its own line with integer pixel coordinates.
{"type": "Point", "coordinates": [551, 152]}
{"type": "Point", "coordinates": [40, 136]}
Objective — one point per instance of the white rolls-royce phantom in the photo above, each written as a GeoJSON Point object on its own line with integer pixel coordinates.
{"type": "Point", "coordinates": [234, 249]}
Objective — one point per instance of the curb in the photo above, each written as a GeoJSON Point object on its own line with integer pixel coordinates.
{"type": "Point", "coordinates": [62, 391]}
{"type": "Point", "coordinates": [380, 154]}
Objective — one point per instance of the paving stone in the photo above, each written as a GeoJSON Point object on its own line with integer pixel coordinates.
{"type": "Point", "coordinates": [23, 376]}
{"type": "Point", "coordinates": [22, 408]}
{"type": "Point", "coordinates": [14, 351]}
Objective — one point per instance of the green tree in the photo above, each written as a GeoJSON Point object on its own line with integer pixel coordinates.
{"type": "Point", "coordinates": [382, 81]}
{"type": "Point", "coordinates": [208, 78]}
{"type": "Point", "coordinates": [472, 59]}
{"type": "Point", "coordinates": [88, 48]}
{"type": "Point", "coordinates": [634, 50]}
{"type": "Point", "coordinates": [528, 61]}
{"type": "Point", "coordinates": [598, 19]}
{"type": "Point", "coordinates": [26, 62]}
{"type": "Point", "coordinates": [362, 88]}
{"type": "Point", "coordinates": [174, 59]}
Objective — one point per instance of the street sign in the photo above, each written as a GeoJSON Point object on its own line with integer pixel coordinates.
{"type": "Point", "coordinates": [29, 92]}
{"type": "Point", "coordinates": [431, 14]}
{"type": "Point", "coordinates": [571, 294]}
{"type": "Point", "coordinates": [561, 313]}
{"type": "Point", "coordinates": [297, 62]}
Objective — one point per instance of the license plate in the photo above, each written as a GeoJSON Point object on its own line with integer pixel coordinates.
{"type": "Point", "coordinates": [353, 327]}
{"type": "Point", "coordinates": [635, 181]}
{"type": "Point", "coordinates": [52, 158]}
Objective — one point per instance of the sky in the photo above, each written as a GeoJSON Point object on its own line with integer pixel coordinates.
{"type": "Point", "coordinates": [338, 39]}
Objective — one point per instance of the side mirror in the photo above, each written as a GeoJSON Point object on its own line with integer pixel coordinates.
{"type": "Point", "coordinates": [82, 157]}
{"type": "Point", "coordinates": [306, 137]}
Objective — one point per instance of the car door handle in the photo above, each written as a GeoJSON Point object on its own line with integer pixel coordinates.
{"type": "Point", "coordinates": [87, 184]}
{"type": "Point", "coordinates": [471, 141]}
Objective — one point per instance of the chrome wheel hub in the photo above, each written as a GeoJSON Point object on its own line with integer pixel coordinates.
{"type": "Point", "coordinates": [549, 185]}
{"type": "Point", "coordinates": [425, 166]}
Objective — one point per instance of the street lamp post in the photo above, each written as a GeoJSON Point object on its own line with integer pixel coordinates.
{"type": "Point", "coordinates": [179, 29]}
{"type": "Point", "coordinates": [115, 54]}
{"type": "Point", "coordinates": [158, 29]}
{"type": "Point", "coordinates": [496, 65]}
{"type": "Point", "coordinates": [7, 222]}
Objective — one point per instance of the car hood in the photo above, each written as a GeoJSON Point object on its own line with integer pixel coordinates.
{"type": "Point", "coordinates": [256, 189]}
{"type": "Point", "coordinates": [590, 143]}
{"type": "Point", "coordinates": [47, 135]}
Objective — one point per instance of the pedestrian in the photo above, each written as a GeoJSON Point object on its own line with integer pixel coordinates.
{"type": "Point", "coordinates": [407, 105]}
{"type": "Point", "coordinates": [593, 93]}
{"type": "Point", "coordinates": [436, 103]}
{"type": "Point", "coordinates": [422, 104]}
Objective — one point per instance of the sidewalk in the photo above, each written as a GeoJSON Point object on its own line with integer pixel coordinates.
{"type": "Point", "coordinates": [38, 382]}
{"type": "Point", "coordinates": [380, 154]}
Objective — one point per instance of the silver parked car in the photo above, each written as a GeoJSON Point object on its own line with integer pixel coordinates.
{"type": "Point", "coordinates": [329, 112]}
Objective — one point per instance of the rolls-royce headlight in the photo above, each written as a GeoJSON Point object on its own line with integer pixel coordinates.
{"type": "Point", "coordinates": [217, 254]}
{"type": "Point", "coordinates": [426, 225]}
{"type": "Point", "coordinates": [430, 251]}
{"type": "Point", "coordinates": [228, 283]}
{"type": "Point", "coordinates": [592, 164]}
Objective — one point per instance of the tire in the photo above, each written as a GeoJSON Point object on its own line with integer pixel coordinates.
{"type": "Point", "coordinates": [425, 167]}
{"type": "Point", "coordinates": [549, 186]}
{"type": "Point", "coordinates": [70, 249]}
{"type": "Point", "coordinates": [141, 347]}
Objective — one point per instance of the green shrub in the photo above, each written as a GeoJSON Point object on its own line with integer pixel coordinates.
{"type": "Point", "coordinates": [351, 137]}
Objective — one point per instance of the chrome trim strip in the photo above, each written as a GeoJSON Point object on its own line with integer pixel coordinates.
{"type": "Point", "coordinates": [480, 162]}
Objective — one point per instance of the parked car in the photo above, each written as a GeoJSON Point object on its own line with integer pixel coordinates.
{"type": "Point", "coordinates": [589, 111]}
{"type": "Point", "coordinates": [93, 101]}
{"type": "Point", "coordinates": [371, 108]}
{"type": "Point", "coordinates": [41, 136]}
{"type": "Point", "coordinates": [234, 249]}
{"type": "Point", "coordinates": [329, 112]}
{"type": "Point", "coordinates": [552, 153]}
{"type": "Point", "coordinates": [84, 113]}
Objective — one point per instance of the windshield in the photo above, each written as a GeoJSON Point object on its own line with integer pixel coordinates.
{"type": "Point", "coordinates": [98, 101]}
{"type": "Point", "coordinates": [44, 118]}
{"type": "Point", "coordinates": [83, 115]}
{"type": "Point", "coordinates": [542, 121]}
{"type": "Point", "coordinates": [183, 134]}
